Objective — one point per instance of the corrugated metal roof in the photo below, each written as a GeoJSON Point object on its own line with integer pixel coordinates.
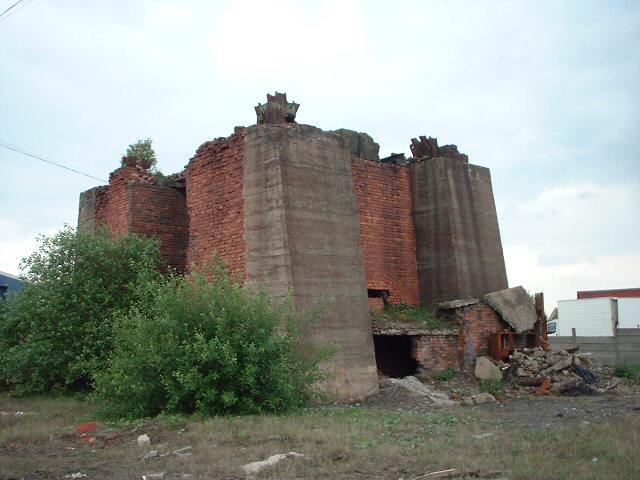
{"type": "Point", "coordinates": [8, 275]}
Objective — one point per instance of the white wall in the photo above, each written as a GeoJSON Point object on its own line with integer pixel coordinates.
{"type": "Point", "coordinates": [591, 317]}
{"type": "Point", "coordinates": [628, 312]}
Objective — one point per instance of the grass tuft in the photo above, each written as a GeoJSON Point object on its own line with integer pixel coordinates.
{"type": "Point", "coordinates": [422, 316]}
{"type": "Point", "coordinates": [494, 387]}
{"type": "Point", "coordinates": [630, 372]}
{"type": "Point", "coordinates": [445, 375]}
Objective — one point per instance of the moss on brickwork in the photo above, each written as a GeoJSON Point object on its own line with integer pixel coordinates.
{"type": "Point", "coordinates": [422, 316]}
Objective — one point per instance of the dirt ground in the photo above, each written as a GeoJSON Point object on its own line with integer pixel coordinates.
{"type": "Point", "coordinates": [525, 411]}
{"type": "Point", "coordinates": [393, 435]}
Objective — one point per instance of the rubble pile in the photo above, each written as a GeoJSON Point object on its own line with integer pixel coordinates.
{"type": "Point", "coordinates": [562, 372]}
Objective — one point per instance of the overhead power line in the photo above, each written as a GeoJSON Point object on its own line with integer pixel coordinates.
{"type": "Point", "coordinates": [37, 157]}
{"type": "Point", "coordinates": [10, 11]}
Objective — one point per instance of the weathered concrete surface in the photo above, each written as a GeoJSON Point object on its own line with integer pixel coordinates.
{"type": "Point", "coordinates": [621, 349]}
{"type": "Point", "coordinates": [515, 306]}
{"type": "Point", "coordinates": [277, 110]}
{"type": "Point", "coordinates": [424, 147]}
{"type": "Point", "coordinates": [86, 211]}
{"type": "Point", "coordinates": [453, 304]}
{"type": "Point", "coordinates": [359, 144]}
{"type": "Point", "coordinates": [458, 247]}
{"type": "Point", "coordinates": [415, 386]}
{"type": "Point", "coordinates": [427, 148]}
{"type": "Point", "coordinates": [302, 236]}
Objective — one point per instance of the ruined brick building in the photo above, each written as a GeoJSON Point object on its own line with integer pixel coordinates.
{"type": "Point", "coordinates": [294, 208]}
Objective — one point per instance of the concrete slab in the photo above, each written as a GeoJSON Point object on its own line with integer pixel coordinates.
{"type": "Point", "coordinates": [464, 302]}
{"type": "Point", "coordinates": [515, 306]}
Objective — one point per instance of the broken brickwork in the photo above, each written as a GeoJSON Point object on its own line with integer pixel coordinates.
{"type": "Point", "coordinates": [214, 185]}
{"type": "Point", "coordinates": [477, 322]}
{"type": "Point", "coordinates": [296, 209]}
{"type": "Point", "coordinates": [134, 201]}
{"type": "Point", "coordinates": [458, 349]}
{"type": "Point", "coordinates": [436, 352]}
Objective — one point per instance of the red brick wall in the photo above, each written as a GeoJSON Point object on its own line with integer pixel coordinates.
{"type": "Point", "coordinates": [376, 303]}
{"type": "Point", "coordinates": [477, 322]}
{"type": "Point", "coordinates": [161, 212]}
{"type": "Point", "coordinates": [438, 352]}
{"type": "Point", "coordinates": [620, 293]}
{"type": "Point", "coordinates": [112, 201]}
{"type": "Point", "coordinates": [133, 202]}
{"type": "Point", "coordinates": [214, 181]}
{"type": "Point", "coordinates": [435, 353]}
{"type": "Point", "coordinates": [384, 204]}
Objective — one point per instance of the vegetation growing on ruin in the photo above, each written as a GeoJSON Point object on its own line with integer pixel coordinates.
{"type": "Point", "coordinates": [445, 375]}
{"type": "Point", "coordinates": [494, 387]}
{"type": "Point", "coordinates": [143, 149]}
{"type": "Point", "coordinates": [97, 312]}
{"type": "Point", "coordinates": [420, 316]}
{"type": "Point", "coordinates": [630, 372]}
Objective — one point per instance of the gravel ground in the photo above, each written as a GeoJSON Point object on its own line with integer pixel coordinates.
{"type": "Point", "coordinates": [518, 409]}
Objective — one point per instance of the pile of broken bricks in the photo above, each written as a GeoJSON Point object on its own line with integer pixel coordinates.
{"type": "Point", "coordinates": [561, 372]}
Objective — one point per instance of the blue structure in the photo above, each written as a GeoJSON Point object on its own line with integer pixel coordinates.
{"type": "Point", "coordinates": [9, 283]}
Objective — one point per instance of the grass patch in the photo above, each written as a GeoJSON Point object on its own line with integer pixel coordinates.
{"type": "Point", "coordinates": [41, 417]}
{"type": "Point", "coordinates": [494, 387]}
{"type": "Point", "coordinates": [630, 372]}
{"type": "Point", "coordinates": [444, 375]}
{"type": "Point", "coordinates": [422, 316]}
{"type": "Point", "coordinates": [338, 443]}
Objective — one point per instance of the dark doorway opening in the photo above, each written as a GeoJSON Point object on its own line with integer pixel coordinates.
{"type": "Point", "coordinates": [394, 355]}
{"type": "Point", "coordinates": [378, 298]}
{"type": "Point", "coordinates": [375, 293]}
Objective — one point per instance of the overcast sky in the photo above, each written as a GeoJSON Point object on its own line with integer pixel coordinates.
{"type": "Point", "coordinates": [545, 94]}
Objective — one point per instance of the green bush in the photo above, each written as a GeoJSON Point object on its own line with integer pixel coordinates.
{"type": "Point", "coordinates": [143, 149]}
{"type": "Point", "coordinates": [204, 344]}
{"type": "Point", "coordinates": [56, 332]}
{"type": "Point", "coordinates": [630, 372]}
{"type": "Point", "coordinates": [444, 375]}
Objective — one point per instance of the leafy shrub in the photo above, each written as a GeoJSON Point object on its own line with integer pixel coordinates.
{"type": "Point", "coordinates": [444, 375]}
{"type": "Point", "coordinates": [204, 344]}
{"type": "Point", "coordinates": [56, 332]}
{"type": "Point", "coordinates": [143, 149]}
{"type": "Point", "coordinates": [630, 372]}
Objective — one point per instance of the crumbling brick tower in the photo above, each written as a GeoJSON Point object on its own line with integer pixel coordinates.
{"type": "Point", "coordinates": [319, 214]}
